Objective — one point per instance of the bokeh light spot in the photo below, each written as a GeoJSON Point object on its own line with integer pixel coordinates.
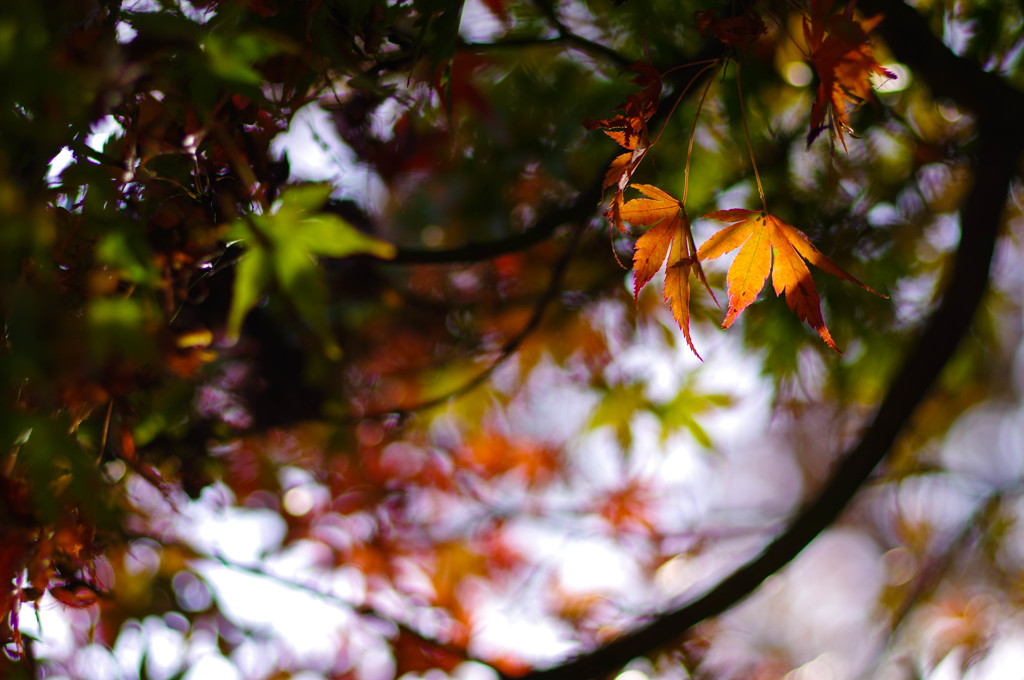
{"type": "Point", "coordinates": [632, 674]}
{"type": "Point", "coordinates": [798, 74]}
{"type": "Point", "coordinates": [899, 83]}
{"type": "Point", "coordinates": [298, 501]}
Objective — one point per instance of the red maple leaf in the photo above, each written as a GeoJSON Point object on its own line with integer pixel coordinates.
{"type": "Point", "coordinates": [842, 58]}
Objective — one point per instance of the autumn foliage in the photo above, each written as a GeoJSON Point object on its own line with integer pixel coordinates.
{"type": "Point", "coordinates": [338, 271]}
{"type": "Point", "coordinates": [841, 57]}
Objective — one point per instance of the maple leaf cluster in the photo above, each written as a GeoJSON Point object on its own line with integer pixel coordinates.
{"type": "Point", "coordinates": [669, 235]}
{"type": "Point", "coordinates": [840, 54]}
{"type": "Point", "coordinates": [629, 129]}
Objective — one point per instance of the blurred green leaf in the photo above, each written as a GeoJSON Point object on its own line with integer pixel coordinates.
{"type": "Point", "coordinates": [234, 57]}
{"type": "Point", "coordinates": [117, 329]}
{"type": "Point", "coordinates": [252, 278]}
{"type": "Point", "coordinates": [288, 242]}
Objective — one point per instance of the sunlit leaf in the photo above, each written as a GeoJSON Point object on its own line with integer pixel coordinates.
{"type": "Point", "coordinates": [770, 246]}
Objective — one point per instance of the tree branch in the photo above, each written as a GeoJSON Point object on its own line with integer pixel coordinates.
{"type": "Point", "coordinates": [364, 610]}
{"type": "Point", "coordinates": [566, 38]}
{"type": "Point", "coordinates": [512, 345]}
{"type": "Point", "coordinates": [998, 148]}
{"type": "Point", "coordinates": [582, 207]}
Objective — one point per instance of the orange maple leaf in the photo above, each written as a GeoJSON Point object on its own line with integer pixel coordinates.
{"type": "Point", "coordinates": [842, 58]}
{"type": "Point", "coordinates": [769, 245]}
{"type": "Point", "coordinates": [668, 235]}
{"type": "Point", "coordinates": [629, 130]}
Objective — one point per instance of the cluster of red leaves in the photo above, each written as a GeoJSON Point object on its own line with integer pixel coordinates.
{"type": "Point", "coordinates": [143, 253]}
{"type": "Point", "coordinates": [491, 454]}
{"type": "Point", "coordinates": [55, 557]}
{"type": "Point", "coordinates": [628, 508]}
{"type": "Point", "coordinates": [840, 54]}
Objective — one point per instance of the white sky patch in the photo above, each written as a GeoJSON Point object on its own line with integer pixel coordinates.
{"type": "Point", "coordinates": [478, 23]}
{"type": "Point", "coordinates": [501, 628]}
{"type": "Point", "coordinates": [100, 132]}
{"type": "Point", "coordinates": [52, 625]}
{"type": "Point", "coordinates": [165, 648]}
{"type": "Point", "coordinates": [239, 535]}
{"type": "Point", "coordinates": [798, 74]}
{"type": "Point", "coordinates": [316, 154]}
{"type": "Point", "coordinates": [594, 566]}
{"type": "Point", "coordinates": [212, 666]}
{"type": "Point", "coordinates": [125, 32]}
{"type": "Point", "coordinates": [58, 164]}
{"type": "Point", "coordinates": [308, 625]}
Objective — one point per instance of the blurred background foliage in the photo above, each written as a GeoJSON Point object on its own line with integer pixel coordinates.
{"type": "Point", "coordinates": [319, 294]}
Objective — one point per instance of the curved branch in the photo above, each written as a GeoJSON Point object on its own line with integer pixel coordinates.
{"type": "Point", "coordinates": [512, 345]}
{"type": "Point", "coordinates": [364, 610]}
{"type": "Point", "coordinates": [998, 149]}
{"type": "Point", "coordinates": [583, 206]}
{"type": "Point", "coordinates": [566, 38]}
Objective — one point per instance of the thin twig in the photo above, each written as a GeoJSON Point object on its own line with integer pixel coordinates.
{"type": "Point", "coordinates": [513, 344]}
{"type": "Point", "coordinates": [566, 39]}
{"type": "Point", "coordinates": [337, 600]}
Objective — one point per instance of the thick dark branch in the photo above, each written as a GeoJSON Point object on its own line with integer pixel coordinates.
{"type": "Point", "coordinates": [999, 145]}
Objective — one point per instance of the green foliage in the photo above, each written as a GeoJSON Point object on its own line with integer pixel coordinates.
{"type": "Point", "coordinates": [283, 247]}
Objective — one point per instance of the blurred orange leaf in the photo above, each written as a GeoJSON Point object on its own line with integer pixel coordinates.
{"type": "Point", "coordinates": [77, 595]}
{"type": "Point", "coordinates": [414, 654]}
{"type": "Point", "coordinates": [628, 507]}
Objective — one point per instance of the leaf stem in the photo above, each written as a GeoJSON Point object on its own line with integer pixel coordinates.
{"type": "Point", "coordinates": [690, 64]}
{"type": "Point", "coordinates": [693, 130]}
{"type": "Point", "coordinates": [750, 147]}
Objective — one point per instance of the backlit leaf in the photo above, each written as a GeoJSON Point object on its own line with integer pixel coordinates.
{"type": "Point", "coordinates": [252, 277]}
{"type": "Point", "coordinates": [769, 245]}
{"type": "Point", "coordinates": [669, 234]}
